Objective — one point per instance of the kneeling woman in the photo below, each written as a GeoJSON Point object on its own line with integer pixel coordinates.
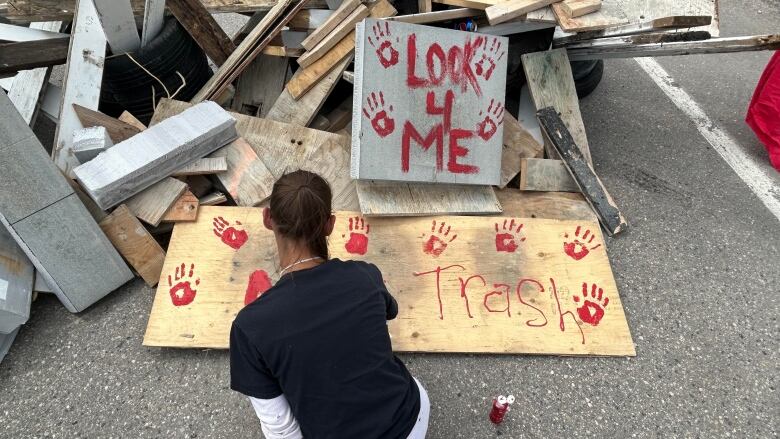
{"type": "Point", "coordinates": [313, 352]}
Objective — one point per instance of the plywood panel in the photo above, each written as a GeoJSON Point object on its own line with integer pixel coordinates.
{"type": "Point", "coordinates": [463, 284]}
{"type": "Point", "coordinates": [134, 243]}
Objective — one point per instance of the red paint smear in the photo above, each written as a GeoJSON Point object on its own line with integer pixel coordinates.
{"type": "Point", "coordinates": [434, 246]}
{"type": "Point", "coordinates": [259, 283]}
{"type": "Point", "coordinates": [357, 244]}
{"type": "Point", "coordinates": [182, 293]}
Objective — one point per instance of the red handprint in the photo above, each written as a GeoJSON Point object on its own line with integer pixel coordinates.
{"type": "Point", "coordinates": [358, 237]}
{"type": "Point", "coordinates": [259, 283]}
{"type": "Point", "coordinates": [592, 311]}
{"type": "Point", "coordinates": [508, 240]}
{"type": "Point", "coordinates": [231, 236]}
{"type": "Point", "coordinates": [486, 54]}
{"type": "Point", "coordinates": [578, 249]}
{"type": "Point", "coordinates": [380, 118]}
{"type": "Point", "coordinates": [385, 51]}
{"type": "Point", "coordinates": [438, 240]}
{"type": "Point", "coordinates": [488, 126]}
{"type": "Point", "coordinates": [182, 292]}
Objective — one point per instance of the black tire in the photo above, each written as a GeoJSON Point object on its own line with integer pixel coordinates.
{"type": "Point", "coordinates": [128, 87]}
{"type": "Point", "coordinates": [587, 76]}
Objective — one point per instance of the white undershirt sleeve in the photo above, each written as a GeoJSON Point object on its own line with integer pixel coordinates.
{"type": "Point", "coordinates": [276, 418]}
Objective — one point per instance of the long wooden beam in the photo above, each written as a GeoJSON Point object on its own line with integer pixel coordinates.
{"type": "Point", "coordinates": [52, 10]}
{"type": "Point", "coordinates": [27, 55]}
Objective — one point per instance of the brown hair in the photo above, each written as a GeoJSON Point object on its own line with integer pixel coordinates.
{"type": "Point", "coordinates": [300, 209]}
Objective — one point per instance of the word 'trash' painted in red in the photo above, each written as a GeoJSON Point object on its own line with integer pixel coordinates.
{"type": "Point", "coordinates": [182, 293]}
{"type": "Point", "coordinates": [233, 237]}
{"type": "Point", "coordinates": [259, 283]}
{"type": "Point", "coordinates": [358, 236]}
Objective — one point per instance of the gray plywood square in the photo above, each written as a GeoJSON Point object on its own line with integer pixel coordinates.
{"type": "Point", "coordinates": [67, 245]}
{"type": "Point", "coordinates": [428, 104]}
{"type": "Point", "coordinates": [12, 125]}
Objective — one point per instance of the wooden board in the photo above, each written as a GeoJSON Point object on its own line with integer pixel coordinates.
{"type": "Point", "coordinates": [511, 9]}
{"type": "Point", "coordinates": [404, 113]}
{"type": "Point", "coordinates": [346, 8]}
{"type": "Point", "coordinates": [601, 19]}
{"type": "Point", "coordinates": [329, 41]}
{"type": "Point", "coordinates": [285, 147]}
{"type": "Point", "coordinates": [151, 204]}
{"type": "Point", "coordinates": [26, 55]}
{"type": "Point", "coordinates": [248, 180]}
{"type": "Point", "coordinates": [83, 74]}
{"type": "Point", "coordinates": [302, 111]}
{"type": "Point", "coordinates": [118, 130]}
{"type": "Point", "coordinates": [23, 11]}
{"type": "Point", "coordinates": [527, 298]}
{"type": "Point", "coordinates": [260, 85]}
{"type": "Point", "coordinates": [420, 199]}
{"type": "Point", "coordinates": [578, 8]}
{"type": "Point", "coordinates": [134, 243]}
{"type": "Point", "coordinates": [154, 18]}
{"type": "Point", "coordinates": [518, 144]}
{"type": "Point", "coordinates": [205, 30]}
{"type": "Point", "coordinates": [551, 84]}
{"type": "Point", "coordinates": [312, 74]}
{"type": "Point", "coordinates": [473, 4]}
{"type": "Point", "coordinates": [658, 24]}
{"type": "Point", "coordinates": [184, 209]}
{"type": "Point", "coordinates": [551, 205]}
{"type": "Point", "coordinates": [589, 183]}
{"type": "Point", "coordinates": [131, 120]}
{"type": "Point", "coordinates": [437, 16]}
{"type": "Point", "coordinates": [545, 175]}
{"type": "Point", "coordinates": [118, 25]}
{"type": "Point", "coordinates": [206, 166]}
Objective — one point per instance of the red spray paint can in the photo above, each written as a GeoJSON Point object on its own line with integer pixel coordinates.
{"type": "Point", "coordinates": [500, 407]}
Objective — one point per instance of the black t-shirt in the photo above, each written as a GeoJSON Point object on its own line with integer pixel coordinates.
{"type": "Point", "coordinates": [320, 337]}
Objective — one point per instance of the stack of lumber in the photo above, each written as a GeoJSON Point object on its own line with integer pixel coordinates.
{"type": "Point", "coordinates": [380, 104]}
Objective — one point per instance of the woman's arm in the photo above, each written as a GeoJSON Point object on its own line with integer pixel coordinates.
{"type": "Point", "coordinates": [276, 418]}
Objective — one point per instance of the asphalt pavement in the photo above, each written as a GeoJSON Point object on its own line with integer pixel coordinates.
{"type": "Point", "coordinates": [697, 274]}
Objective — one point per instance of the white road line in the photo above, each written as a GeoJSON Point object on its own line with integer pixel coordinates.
{"type": "Point", "coordinates": [745, 167]}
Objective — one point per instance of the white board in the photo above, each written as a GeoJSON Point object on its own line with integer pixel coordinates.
{"type": "Point", "coordinates": [428, 104]}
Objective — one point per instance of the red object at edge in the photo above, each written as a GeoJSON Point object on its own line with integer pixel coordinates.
{"type": "Point", "coordinates": [763, 114]}
{"type": "Point", "coordinates": [498, 412]}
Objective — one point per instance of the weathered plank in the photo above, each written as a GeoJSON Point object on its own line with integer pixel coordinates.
{"type": "Point", "coordinates": [419, 199]}
{"type": "Point", "coordinates": [330, 40]}
{"type": "Point", "coordinates": [437, 16]}
{"type": "Point", "coordinates": [213, 199]}
{"type": "Point", "coordinates": [119, 26]}
{"type": "Point", "coordinates": [203, 28]}
{"type": "Point", "coordinates": [10, 33]}
{"type": "Point", "coordinates": [472, 4]}
{"type": "Point", "coordinates": [551, 84]}
{"type": "Point", "coordinates": [17, 276]}
{"type": "Point", "coordinates": [589, 183]}
{"type": "Point", "coordinates": [154, 17]}
{"type": "Point", "coordinates": [518, 144]}
{"type": "Point", "coordinates": [551, 205]}
{"type": "Point", "coordinates": [635, 40]}
{"type": "Point", "coordinates": [184, 209]}
{"type": "Point", "coordinates": [81, 85]}
{"type": "Point", "coordinates": [578, 8]}
{"type": "Point", "coordinates": [511, 9]}
{"type": "Point", "coordinates": [118, 130]}
{"type": "Point", "coordinates": [151, 204]}
{"type": "Point", "coordinates": [665, 23]}
{"type": "Point", "coordinates": [205, 166]}
{"type": "Point", "coordinates": [598, 20]}
{"type": "Point", "coordinates": [330, 24]}
{"type": "Point", "coordinates": [129, 119]}
{"type": "Point", "coordinates": [527, 298]}
{"type": "Point", "coordinates": [545, 175]}
{"type": "Point", "coordinates": [248, 180]}
{"type": "Point", "coordinates": [134, 243]}
{"type": "Point", "coordinates": [27, 55]}
{"type": "Point", "coordinates": [260, 85]}
{"type": "Point", "coordinates": [715, 45]}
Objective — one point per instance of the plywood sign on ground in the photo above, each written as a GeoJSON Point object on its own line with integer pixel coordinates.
{"type": "Point", "coordinates": [463, 284]}
{"type": "Point", "coordinates": [428, 104]}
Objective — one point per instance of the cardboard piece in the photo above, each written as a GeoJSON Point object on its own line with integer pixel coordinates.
{"type": "Point", "coordinates": [421, 114]}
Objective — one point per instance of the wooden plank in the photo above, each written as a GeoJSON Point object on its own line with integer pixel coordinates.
{"type": "Point", "coordinates": [200, 185]}
{"type": "Point", "coordinates": [10, 33]}
{"type": "Point", "coordinates": [118, 25]}
{"type": "Point", "coordinates": [310, 19]}
{"type": "Point", "coordinates": [284, 148]}
{"type": "Point", "coordinates": [666, 23]}
{"type": "Point", "coordinates": [543, 15]}
{"type": "Point", "coordinates": [518, 144]}
{"type": "Point", "coordinates": [17, 277]}
{"type": "Point", "coordinates": [205, 166]}
{"type": "Point", "coordinates": [545, 175]}
{"type": "Point", "coordinates": [589, 183]}
{"type": "Point", "coordinates": [203, 28]}
{"type": "Point", "coordinates": [184, 209]}
{"type": "Point", "coordinates": [137, 163]}
{"type": "Point", "coordinates": [438, 16]}
{"type": "Point", "coordinates": [29, 86]}
{"type": "Point", "coordinates": [213, 199]}
{"type": "Point", "coordinates": [154, 18]}
{"type": "Point", "coordinates": [118, 131]}
{"type": "Point", "coordinates": [260, 85]}
{"type": "Point", "coordinates": [551, 205]}
{"type": "Point", "coordinates": [129, 119]}
{"type": "Point", "coordinates": [25, 11]}
{"type": "Point", "coordinates": [635, 40]}
{"type": "Point", "coordinates": [527, 298]}
{"type": "Point", "coordinates": [715, 45]}
{"type": "Point", "coordinates": [27, 55]}
{"type": "Point", "coordinates": [151, 204]}
{"type": "Point", "coordinates": [516, 26]}
{"type": "Point", "coordinates": [134, 243]}
{"type": "Point", "coordinates": [248, 180]}
{"type": "Point", "coordinates": [312, 74]}
{"type": "Point", "coordinates": [595, 21]}
{"type": "Point", "coordinates": [83, 74]}
{"type": "Point", "coordinates": [396, 122]}
{"type": "Point", "coordinates": [551, 84]}
{"type": "Point", "coordinates": [424, 6]}
{"type": "Point", "coordinates": [339, 15]}
{"type": "Point", "coordinates": [472, 4]}
{"type": "Point", "coordinates": [511, 9]}
{"type": "Point", "coordinates": [578, 8]}
{"type": "Point", "coordinates": [418, 199]}
{"type": "Point", "coordinates": [268, 28]}
{"type": "Point", "coordinates": [324, 46]}
{"type": "Point", "coordinates": [282, 51]}
{"type": "Point", "coordinates": [302, 111]}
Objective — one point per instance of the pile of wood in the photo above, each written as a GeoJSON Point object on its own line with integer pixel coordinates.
{"type": "Point", "coordinates": [403, 143]}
